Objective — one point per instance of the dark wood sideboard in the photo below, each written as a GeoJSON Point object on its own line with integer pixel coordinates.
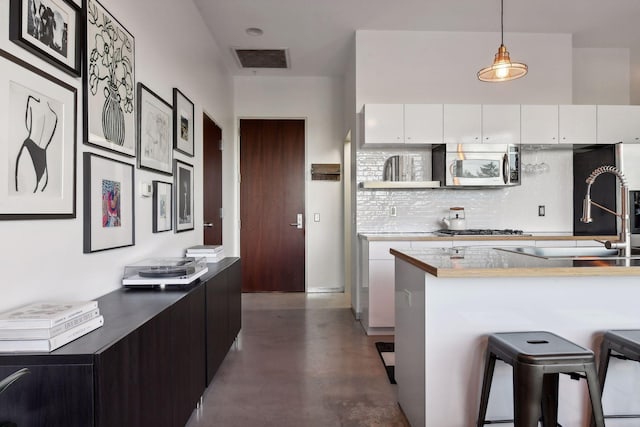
{"type": "Point", "coordinates": [147, 366]}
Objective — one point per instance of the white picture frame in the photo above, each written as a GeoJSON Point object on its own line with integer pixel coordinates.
{"type": "Point", "coordinates": [155, 132]}
{"type": "Point", "coordinates": [162, 206]}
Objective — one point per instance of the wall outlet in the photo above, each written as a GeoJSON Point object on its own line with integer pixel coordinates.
{"type": "Point", "coordinates": [541, 210]}
{"type": "Point", "coordinates": [393, 211]}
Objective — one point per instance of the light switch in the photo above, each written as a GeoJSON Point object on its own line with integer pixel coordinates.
{"type": "Point", "coordinates": [316, 217]}
{"type": "Point", "coordinates": [146, 189]}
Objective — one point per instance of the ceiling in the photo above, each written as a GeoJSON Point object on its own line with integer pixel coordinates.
{"type": "Point", "coordinates": [319, 33]}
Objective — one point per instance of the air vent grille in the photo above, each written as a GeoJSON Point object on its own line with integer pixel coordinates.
{"type": "Point", "coordinates": [262, 58]}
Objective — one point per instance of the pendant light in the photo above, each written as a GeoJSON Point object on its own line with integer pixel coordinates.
{"type": "Point", "coordinates": [502, 69]}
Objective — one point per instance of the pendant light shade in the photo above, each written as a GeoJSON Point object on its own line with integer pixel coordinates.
{"type": "Point", "coordinates": [502, 69]}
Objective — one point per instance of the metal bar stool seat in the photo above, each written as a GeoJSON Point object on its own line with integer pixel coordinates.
{"type": "Point", "coordinates": [537, 358]}
{"type": "Point", "coordinates": [622, 344]}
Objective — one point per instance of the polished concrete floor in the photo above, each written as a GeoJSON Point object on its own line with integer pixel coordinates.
{"type": "Point", "coordinates": [300, 360]}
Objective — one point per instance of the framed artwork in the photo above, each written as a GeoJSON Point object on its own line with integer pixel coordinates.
{"type": "Point", "coordinates": [183, 195]}
{"type": "Point", "coordinates": [109, 82]}
{"type": "Point", "coordinates": [108, 204]}
{"type": "Point", "coordinates": [162, 205]}
{"type": "Point", "coordinates": [37, 143]}
{"type": "Point", "coordinates": [50, 29]}
{"type": "Point", "coordinates": [155, 130]}
{"type": "Point", "coordinates": [183, 117]}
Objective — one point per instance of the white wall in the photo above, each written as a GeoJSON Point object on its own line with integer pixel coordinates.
{"type": "Point", "coordinates": [43, 259]}
{"type": "Point", "coordinates": [319, 101]}
{"type": "Point", "coordinates": [601, 76]}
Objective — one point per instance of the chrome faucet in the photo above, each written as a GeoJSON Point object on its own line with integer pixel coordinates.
{"type": "Point", "coordinates": [624, 242]}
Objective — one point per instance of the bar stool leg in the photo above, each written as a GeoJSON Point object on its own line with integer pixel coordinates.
{"type": "Point", "coordinates": [550, 400]}
{"type": "Point", "coordinates": [527, 394]}
{"type": "Point", "coordinates": [597, 419]}
{"type": "Point", "coordinates": [605, 355]}
{"type": "Point", "coordinates": [489, 365]}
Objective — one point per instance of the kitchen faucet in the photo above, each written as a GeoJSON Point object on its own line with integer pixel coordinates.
{"type": "Point", "coordinates": [624, 242]}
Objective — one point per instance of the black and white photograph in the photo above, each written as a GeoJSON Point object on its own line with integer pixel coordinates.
{"type": "Point", "coordinates": [38, 122]}
{"type": "Point", "coordinates": [109, 220]}
{"type": "Point", "coordinates": [155, 130]}
{"type": "Point", "coordinates": [183, 189]}
{"type": "Point", "coordinates": [162, 206]}
{"type": "Point", "coordinates": [50, 29]}
{"type": "Point", "coordinates": [183, 117]}
{"type": "Point", "coordinates": [110, 91]}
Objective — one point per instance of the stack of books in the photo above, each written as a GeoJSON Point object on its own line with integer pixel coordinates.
{"type": "Point", "coordinates": [45, 326]}
{"type": "Point", "coordinates": [213, 253]}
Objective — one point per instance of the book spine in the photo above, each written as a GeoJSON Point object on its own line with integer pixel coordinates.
{"type": "Point", "coordinates": [46, 333]}
{"type": "Point", "coordinates": [75, 333]}
{"type": "Point", "coordinates": [47, 323]}
{"type": "Point", "coordinates": [73, 322]}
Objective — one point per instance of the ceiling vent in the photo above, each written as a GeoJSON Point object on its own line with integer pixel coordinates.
{"type": "Point", "coordinates": [262, 58]}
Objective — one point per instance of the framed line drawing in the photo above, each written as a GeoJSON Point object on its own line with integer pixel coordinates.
{"type": "Point", "coordinates": [162, 206]}
{"type": "Point", "coordinates": [183, 195]}
{"type": "Point", "coordinates": [183, 124]}
{"type": "Point", "coordinates": [108, 204]}
{"type": "Point", "coordinates": [109, 82]}
{"type": "Point", "coordinates": [155, 131]}
{"type": "Point", "coordinates": [38, 135]}
{"type": "Point", "coordinates": [50, 29]}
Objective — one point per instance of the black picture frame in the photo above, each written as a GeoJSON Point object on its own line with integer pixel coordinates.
{"type": "Point", "coordinates": [154, 132]}
{"type": "Point", "coordinates": [109, 97]}
{"type": "Point", "coordinates": [183, 123]}
{"type": "Point", "coordinates": [39, 32]}
{"type": "Point", "coordinates": [40, 178]}
{"type": "Point", "coordinates": [162, 206]}
{"type": "Point", "coordinates": [109, 208]}
{"type": "Point", "coordinates": [183, 181]}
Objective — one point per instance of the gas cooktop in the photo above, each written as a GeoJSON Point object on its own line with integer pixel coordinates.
{"type": "Point", "coordinates": [480, 232]}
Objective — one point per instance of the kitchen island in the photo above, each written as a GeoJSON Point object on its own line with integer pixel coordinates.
{"type": "Point", "coordinates": [447, 300]}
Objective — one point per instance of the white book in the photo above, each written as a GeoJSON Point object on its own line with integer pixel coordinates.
{"type": "Point", "coordinates": [205, 249]}
{"type": "Point", "coordinates": [45, 333]}
{"type": "Point", "coordinates": [52, 343]}
{"type": "Point", "coordinates": [44, 314]}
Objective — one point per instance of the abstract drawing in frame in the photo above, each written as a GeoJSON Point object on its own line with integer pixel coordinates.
{"type": "Point", "coordinates": [155, 131]}
{"type": "Point", "coordinates": [183, 116]}
{"type": "Point", "coordinates": [109, 82]}
{"type": "Point", "coordinates": [109, 220]}
{"type": "Point", "coordinates": [162, 206]}
{"type": "Point", "coordinates": [37, 143]}
{"type": "Point", "coordinates": [183, 195]}
{"type": "Point", "coordinates": [50, 29]}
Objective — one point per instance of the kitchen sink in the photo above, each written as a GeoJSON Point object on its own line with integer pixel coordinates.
{"type": "Point", "coordinates": [565, 252]}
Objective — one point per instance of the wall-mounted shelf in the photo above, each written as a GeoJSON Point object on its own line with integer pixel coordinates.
{"type": "Point", "coordinates": [399, 184]}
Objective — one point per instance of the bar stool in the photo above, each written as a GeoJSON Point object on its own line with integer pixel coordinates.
{"type": "Point", "coordinates": [621, 344]}
{"type": "Point", "coordinates": [537, 357]}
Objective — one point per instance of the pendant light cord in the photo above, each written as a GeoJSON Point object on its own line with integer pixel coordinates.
{"type": "Point", "coordinates": [502, 22]}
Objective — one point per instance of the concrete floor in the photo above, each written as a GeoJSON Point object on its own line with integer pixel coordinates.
{"type": "Point", "coordinates": [301, 360]}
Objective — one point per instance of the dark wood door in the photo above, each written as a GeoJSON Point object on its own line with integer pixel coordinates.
{"type": "Point", "coordinates": [271, 198]}
{"type": "Point", "coordinates": [212, 182]}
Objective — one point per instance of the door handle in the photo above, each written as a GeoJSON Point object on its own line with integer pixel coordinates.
{"type": "Point", "coordinates": [207, 225]}
{"type": "Point", "coordinates": [298, 224]}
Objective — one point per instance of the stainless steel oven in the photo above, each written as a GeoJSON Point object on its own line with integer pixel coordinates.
{"type": "Point", "coordinates": [476, 165]}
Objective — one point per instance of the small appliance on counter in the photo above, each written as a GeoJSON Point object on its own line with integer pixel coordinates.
{"type": "Point", "coordinates": [164, 271]}
{"type": "Point", "coordinates": [456, 219]}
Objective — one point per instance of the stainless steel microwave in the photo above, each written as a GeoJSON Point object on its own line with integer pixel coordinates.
{"type": "Point", "coordinates": [476, 165]}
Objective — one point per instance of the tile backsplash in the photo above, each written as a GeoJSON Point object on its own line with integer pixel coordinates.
{"type": "Point", "coordinates": [550, 184]}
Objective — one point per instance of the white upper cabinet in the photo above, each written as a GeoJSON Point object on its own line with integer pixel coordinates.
{"type": "Point", "coordinates": [384, 124]}
{"type": "Point", "coordinates": [618, 123]}
{"type": "Point", "coordinates": [577, 124]}
{"type": "Point", "coordinates": [539, 124]}
{"type": "Point", "coordinates": [501, 124]}
{"type": "Point", "coordinates": [423, 123]}
{"type": "Point", "coordinates": [462, 123]}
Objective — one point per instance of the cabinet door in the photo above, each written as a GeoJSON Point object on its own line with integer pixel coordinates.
{"type": "Point", "coordinates": [384, 124]}
{"type": "Point", "coordinates": [539, 124]}
{"type": "Point", "coordinates": [577, 124]}
{"type": "Point", "coordinates": [423, 124]}
{"type": "Point", "coordinates": [234, 288]}
{"type": "Point", "coordinates": [618, 123]}
{"type": "Point", "coordinates": [217, 323]}
{"type": "Point", "coordinates": [462, 123]}
{"type": "Point", "coordinates": [381, 294]}
{"type": "Point", "coordinates": [501, 124]}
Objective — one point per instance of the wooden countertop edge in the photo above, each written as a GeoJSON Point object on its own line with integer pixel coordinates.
{"type": "Point", "coordinates": [420, 237]}
{"type": "Point", "coordinates": [517, 272]}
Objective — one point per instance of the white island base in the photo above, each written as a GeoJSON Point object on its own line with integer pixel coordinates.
{"type": "Point", "coordinates": [440, 341]}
